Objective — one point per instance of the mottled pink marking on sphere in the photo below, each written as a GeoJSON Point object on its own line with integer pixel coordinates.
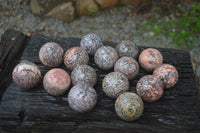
{"type": "Point", "coordinates": [56, 81]}
{"type": "Point", "coordinates": [90, 43]}
{"type": "Point", "coordinates": [149, 88]}
{"type": "Point", "coordinates": [167, 74]}
{"type": "Point", "coordinates": [26, 75]}
{"type": "Point", "coordinates": [84, 74]}
{"type": "Point", "coordinates": [114, 84]}
{"type": "Point", "coordinates": [128, 66]}
{"type": "Point", "coordinates": [51, 54]}
{"type": "Point", "coordinates": [127, 48]}
{"type": "Point", "coordinates": [105, 57]}
{"type": "Point", "coordinates": [74, 57]}
{"type": "Point", "coordinates": [150, 58]}
{"type": "Point", "coordinates": [82, 98]}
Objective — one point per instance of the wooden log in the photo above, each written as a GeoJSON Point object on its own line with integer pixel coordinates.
{"type": "Point", "coordinates": [11, 46]}
{"type": "Point", "coordinates": [36, 111]}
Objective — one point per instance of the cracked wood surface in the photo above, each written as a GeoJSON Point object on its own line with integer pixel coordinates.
{"type": "Point", "coordinates": [35, 111]}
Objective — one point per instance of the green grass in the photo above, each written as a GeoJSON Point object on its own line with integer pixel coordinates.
{"type": "Point", "coordinates": [180, 30]}
{"type": "Point", "coordinates": [91, 11]}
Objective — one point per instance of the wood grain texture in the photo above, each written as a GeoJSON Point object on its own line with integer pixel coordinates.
{"type": "Point", "coordinates": [36, 111]}
{"type": "Point", "coordinates": [11, 46]}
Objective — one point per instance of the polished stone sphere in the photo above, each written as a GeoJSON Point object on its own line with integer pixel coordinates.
{"type": "Point", "coordinates": [82, 98]}
{"type": "Point", "coordinates": [105, 57]}
{"type": "Point", "coordinates": [56, 81]}
{"type": "Point", "coordinates": [127, 48]}
{"type": "Point", "coordinates": [128, 66]}
{"type": "Point", "coordinates": [150, 58]}
{"type": "Point", "coordinates": [74, 57]}
{"type": "Point", "coordinates": [51, 54]}
{"type": "Point", "coordinates": [129, 106]}
{"type": "Point", "coordinates": [150, 88]}
{"type": "Point", "coordinates": [84, 74]}
{"type": "Point", "coordinates": [26, 74]}
{"type": "Point", "coordinates": [90, 43]}
{"type": "Point", "coordinates": [114, 84]}
{"type": "Point", "coordinates": [167, 74]}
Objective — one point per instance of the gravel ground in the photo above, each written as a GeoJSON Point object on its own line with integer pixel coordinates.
{"type": "Point", "coordinates": [114, 25]}
{"type": "Point", "coordinates": [111, 25]}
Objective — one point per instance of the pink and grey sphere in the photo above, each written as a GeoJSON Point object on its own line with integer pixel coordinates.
{"type": "Point", "coordinates": [167, 74]}
{"type": "Point", "coordinates": [149, 88]}
{"type": "Point", "coordinates": [90, 43]}
{"type": "Point", "coordinates": [26, 74]}
{"type": "Point", "coordinates": [84, 74]}
{"type": "Point", "coordinates": [74, 57]}
{"type": "Point", "coordinates": [114, 84]}
{"type": "Point", "coordinates": [51, 54]}
{"type": "Point", "coordinates": [129, 106]}
{"type": "Point", "coordinates": [128, 66]}
{"type": "Point", "coordinates": [150, 58]}
{"type": "Point", "coordinates": [127, 48]}
{"type": "Point", "coordinates": [82, 98]}
{"type": "Point", "coordinates": [105, 57]}
{"type": "Point", "coordinates": [56, 81]}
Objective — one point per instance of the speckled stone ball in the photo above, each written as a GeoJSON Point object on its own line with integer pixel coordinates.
{"type": "Point", "coordinates": [127, 48]}
{"type": "Point", "coordinates": [150, 58]}
{"type": "Point", "coordinates": [114, 84]}
{"type": "Point", "coordinates": [26, 75]}
{"type": "Point", "coordinates": [167, 74]}
{"type": "Point", "coordinates": [129, 106]}
{"type": "Point", "coordinates": [74, 57]}
{"type": "Point", "coordinates": [149, 88]}
{"type": "Point", "coordinates": [84, 74]}
{"type": "Point", "coordinates": [105, 57]}
{"type": "Point", "coordinates": [128, 66]}
{"type": "Point", "coordinates": [56, 81]}
{"type": "Point", "coordinates": [82, 98]}
{"type": "Point", "coordinates": [51, 54]}
{"type": "Point", "coordinates": [90, 43]}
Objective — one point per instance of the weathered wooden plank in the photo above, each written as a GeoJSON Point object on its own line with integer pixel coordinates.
{"type": "Point", "coordinates": [34, 110]}
{"type": "Point", "coordinates": [11, 46]}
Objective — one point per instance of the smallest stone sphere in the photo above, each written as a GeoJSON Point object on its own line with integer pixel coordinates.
{"type": "Point", "coordinates": [128, 66]}
{"type": "Point", "coordinates": [129, 106]}
{"type": "Point", "coordinates": [149, 88]}
{"type": "Point", "coordinates": [127, 48]}
{"type": "Point", "coordinates": [105, 57]}
{"type": "Point", "coordinates": [90, 43]}
{"type": "Point", "coordinates": [56, 81]}
{"type": "Point", "coordinates": [167, 74]}
{"type": "Point", "coordinates": [26, 74]}
{"type": "Point", "coordinates": [150, 58]}
{"type": "Point", "coordinates": [114, 84]}
{"type": "Point", "coordinates": [51, 54]}
{"type": "Point", "coordinates": [82, 98]}
{"type": "Point", "coordinates": [84, 74]}
{"type": "Point", "coordinates": [74, 57]}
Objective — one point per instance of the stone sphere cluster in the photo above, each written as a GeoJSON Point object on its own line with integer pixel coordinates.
{"type": "Point", "coordinates": [82, 96]}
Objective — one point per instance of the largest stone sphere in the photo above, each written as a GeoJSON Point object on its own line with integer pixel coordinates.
{"type": "Point", "coordinates": [114, 84]}
{"type": "Point", "coordinates": [105, 57]}
{"type": "Point", "coordinates": [82, 98]}
{"type": "Point", "coordinates": [56, 81]}
{"type": "Point", "coordinates": [51, 54]}
{"type": "Point", "coordinates": [90, 43]}
{"type": "Point", "coordinates": [129, 106]}
{"type": "Point", "coordinates": [26, 75]}
{"type": "Point", "coordinates": [74, 57]}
